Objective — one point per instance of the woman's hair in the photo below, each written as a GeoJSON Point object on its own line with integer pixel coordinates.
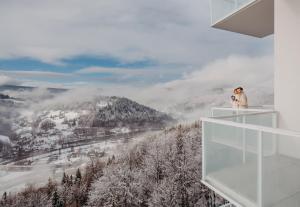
{"type": "Point", "coordinates": [241, 88]}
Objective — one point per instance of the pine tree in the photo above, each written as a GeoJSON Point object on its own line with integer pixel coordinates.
{"type": "Point", "coordinates": [4, 197]}
{"type": "Point", "coordinates": [71, 180]}
{"type": "Point", "coordinates": [56, 202]}
{"type": "Point", "coordinates": [64, 179]}
{"type": "Point", "coordinates": [78, 176]}
{"type": "Point", "coordinates": [50, 187]}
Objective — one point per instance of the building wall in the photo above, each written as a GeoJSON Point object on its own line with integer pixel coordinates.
{"type": "Point", "coordinates": [287, 70]}
{"type": "Point", "coordinates": [287, 65]}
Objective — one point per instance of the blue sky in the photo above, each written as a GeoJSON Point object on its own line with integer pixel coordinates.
{"type": "Point", "coordinates": [71, 71]}
{"type": "Point", "coordinates": [72, 42]}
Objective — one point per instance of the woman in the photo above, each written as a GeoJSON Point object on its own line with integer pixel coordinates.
{"type": "Point", "coordinates": [241, 98]}
{"type": "Point", "coordinates": [234, 100]}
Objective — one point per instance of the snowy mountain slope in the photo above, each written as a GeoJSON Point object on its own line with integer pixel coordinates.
{"type": "Point", "coordinates": [50, 127]}
{"type": "Point", "coordinates": [124, 112]}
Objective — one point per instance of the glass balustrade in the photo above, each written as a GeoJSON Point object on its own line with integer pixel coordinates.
{"type": "Point", "coordinates": [231, 160]}
{"type": "Point", "coordinates": [250, 162]}
{"type": "Point", "coordinates": [223, 8]}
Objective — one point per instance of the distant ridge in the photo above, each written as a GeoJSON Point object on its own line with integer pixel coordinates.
{"type": "Point", "coordinates": [29, 88]}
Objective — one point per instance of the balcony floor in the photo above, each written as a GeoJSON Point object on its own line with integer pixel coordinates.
{"type": "Point", "coordinates": [281, 182]}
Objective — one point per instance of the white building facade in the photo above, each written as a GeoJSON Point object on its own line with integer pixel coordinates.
{"type": "Point", "coordinates": [252, 157]}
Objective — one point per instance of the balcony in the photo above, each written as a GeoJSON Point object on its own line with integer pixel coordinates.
{"type": "Point", "coordinates": [250, 17]}
{"type": "Point", "coordinates": [224, 8]}
{"type": "Point", "coordinates": [248, 160]}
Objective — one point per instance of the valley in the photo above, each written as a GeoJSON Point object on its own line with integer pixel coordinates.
{"type": "Point", "coordinates": [35, 169]}
{"type": "Point", "coordinates": [44, 136]}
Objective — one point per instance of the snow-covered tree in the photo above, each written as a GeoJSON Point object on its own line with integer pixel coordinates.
{"type": "Point", "coordinates": [163, 170]}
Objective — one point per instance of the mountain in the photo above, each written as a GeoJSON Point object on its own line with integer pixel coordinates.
{"type": "Point", "coordinates": [59, 125]}
{"type": "Point", "coordinates": [124, 112]}
{"type": "Point", "coordinates": [6, 100]}
{"type": "Point", "coordinates": [2, 96]}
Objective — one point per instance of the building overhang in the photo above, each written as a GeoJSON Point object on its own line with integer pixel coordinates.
{"type": "Point", "coordinates": [254, 18]}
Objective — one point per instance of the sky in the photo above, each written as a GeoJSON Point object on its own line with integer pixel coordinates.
{"type": "Point", "coordinates": [71, 43]}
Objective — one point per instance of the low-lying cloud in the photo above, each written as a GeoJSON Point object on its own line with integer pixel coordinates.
{"type": "Point", "coordinates": [209, 86]}
{"type": "Point", "coordinates": [189, 97]}
{"type": "Point", "coordinates": [7, 80]}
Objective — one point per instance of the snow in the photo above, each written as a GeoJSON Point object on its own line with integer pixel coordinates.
{"type": "Point", "coordinates": [67, 160]}
{"type": "Point", "coordinates": [157, 155]}
{"type": "Point", "coordinates": [50, 127]}
{"type": "Point", "coordinates": [102, 104]}
{"type": "Point", "coordinates": [71, 115]}
{"type": "Point", "coordinates": [121, 130]}
{"type": "Point", "coordinates": [59, 116]}
{"type": "Point", "coordinates": [22, 130]}
{"type": "Point", "coordinates": [5, 140]}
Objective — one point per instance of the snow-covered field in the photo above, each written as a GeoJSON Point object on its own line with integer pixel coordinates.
{"type": "Point", "coordinates": [14, 177]}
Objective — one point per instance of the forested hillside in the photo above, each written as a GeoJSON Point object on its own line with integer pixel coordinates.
{"type": "Point", "coordinates": [161, 170]}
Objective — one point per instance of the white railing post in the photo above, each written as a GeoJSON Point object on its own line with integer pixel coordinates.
{"type": "Point", "coordinates": [211, 11]}
{"type": "Point", "coordinates": [275, 136]}
{"type": "Point", "coordinates": [203, 152]}
{"type": "Point", "coordinates": [244, 140]}
{"type": "Point", "coordinates": [260, 169]}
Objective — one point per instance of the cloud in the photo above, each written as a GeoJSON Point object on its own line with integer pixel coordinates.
{"type": "Point", "coordinates": [168, 32]}
{"type": "Point", "coordinates": [230, 72]}
{"type": "Point", "coordinates": [188, 97]}
{"type": "Point", "coordinates": [146, 73]}
{"type": "Point", "coordinates": [33, 74]}
{"type": "Point", "coordinates": [196, 92]}
{"type": "Point", "coordinates": [93, 75]}
{"type": "Point", "coordinates": [6, 80]}
{"type": "Point", "coordinates": [118, 71]}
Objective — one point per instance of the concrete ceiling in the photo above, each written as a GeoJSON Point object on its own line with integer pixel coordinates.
{"type": "Point", "coordinates": [255, 20]}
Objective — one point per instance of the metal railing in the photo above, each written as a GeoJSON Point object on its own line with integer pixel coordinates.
{"type": "Point", "coordinates": [227, 205]}
{"type": "Point", "coordinates": [229, 111]}
{"type": "Point", "coordinates": [244, 156]}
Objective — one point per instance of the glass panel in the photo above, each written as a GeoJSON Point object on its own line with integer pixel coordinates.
{"type": "Point", "coordinates": [281, 171]}
{"type": "Point", "coordinates": [231, 161]}
{"type": "Point", "coordinates": [219, 112]}
{"type": "Point", "coordinates": [223, 8]}
{"type": "Point", "coordinates": [222, 112]}
{"type": "Point", "coordinates": [263, 119]}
